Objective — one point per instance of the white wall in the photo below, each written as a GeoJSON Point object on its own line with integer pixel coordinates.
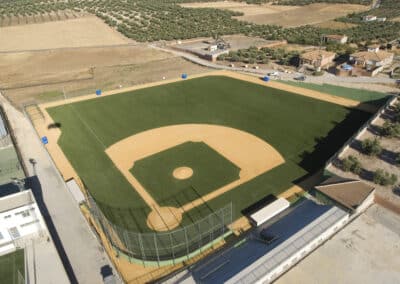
{"type": "Point", "coordinates": [25, 221]}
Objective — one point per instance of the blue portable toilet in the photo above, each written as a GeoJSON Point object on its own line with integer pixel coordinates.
{"type": "Point", "coordinates": [98, 92]}
{"type": "Point", "coordinates": [45, 140]}
{"type": "Point", "coordinates": [184, 76]}
{"type": "Point", "coordinates": [265, 78]}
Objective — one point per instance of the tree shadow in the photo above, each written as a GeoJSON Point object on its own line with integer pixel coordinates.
{"type": "Point", "coordinates": [54, 125]}
{"type": "Point", "coordinates": [388, 156]}
{"type": "Point", "coordinates": [357, 145]}
{"type": "Point", "coordinates": [367, 175]}
{"type": "Point", "coordinates": [374, 129]}
{"type": "Point", "coordinates": [34, 184]}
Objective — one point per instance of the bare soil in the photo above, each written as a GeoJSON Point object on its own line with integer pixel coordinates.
{"type": "Point", "coordinates": [335, 25]}
{"type": "Point", "coordinates": [80, 32]}
{"type": "Point", "coordinates": [26, 76]}
{"type": "Point", "coordinates": [286, 16]}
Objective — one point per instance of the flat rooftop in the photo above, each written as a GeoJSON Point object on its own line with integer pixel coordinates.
{"type": "Point", "coordinates": [244, 263]}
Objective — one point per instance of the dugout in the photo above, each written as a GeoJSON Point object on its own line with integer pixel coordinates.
{"type": "Point", "coordinates": [266, 213]}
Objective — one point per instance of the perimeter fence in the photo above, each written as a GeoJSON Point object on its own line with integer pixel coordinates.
{"type": "Point", "coordinates": [165, 248]}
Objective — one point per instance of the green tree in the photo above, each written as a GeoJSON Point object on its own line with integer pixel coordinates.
{"type": "Point", "coordinates": [371, 147]}
{"type": "Point", "coordinates": [390, 129]}
{"type": "Point", "coordinates": [382, 177]}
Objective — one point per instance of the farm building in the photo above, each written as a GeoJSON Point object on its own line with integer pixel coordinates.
{"type": "Point", "coordinates": [370, 63]}
{"type": "Point", "coordinates": [369, 18]}
{"type": "Point", "coordinates": [338, 39]}
{"type": "Point", "coordinates": [317, 58]}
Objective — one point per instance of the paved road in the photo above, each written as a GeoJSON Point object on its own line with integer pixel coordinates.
{"type": "Point", "coordinates": [326, 78]}
{"type": "Point", "coordinates": [82, 255]}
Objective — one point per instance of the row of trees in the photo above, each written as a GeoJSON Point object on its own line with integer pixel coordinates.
{"type": "Point", "coordinates": [262, 56]}
{"type": "Point", "coordinates": [152, 20]}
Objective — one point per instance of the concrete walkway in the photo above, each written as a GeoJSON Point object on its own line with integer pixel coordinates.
{"type": "Point", "coordinates": [83, 257]}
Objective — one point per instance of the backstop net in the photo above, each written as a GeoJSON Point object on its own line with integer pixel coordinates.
{"type": "Point", "coordinates": [165, 248]}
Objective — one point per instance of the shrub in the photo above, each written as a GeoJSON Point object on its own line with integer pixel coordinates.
{"type": "Point", "coordinates": [352, 164]}
{"type": "Point", "coordinates": [371, 147]}
{"type": "Point", "coordinates": [384, 178]}
{"type": "Point", "coordinates": [390, 129]}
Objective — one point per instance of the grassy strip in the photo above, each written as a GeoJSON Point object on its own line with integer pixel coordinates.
{"type": "Point", "coordinates": [360, 95]}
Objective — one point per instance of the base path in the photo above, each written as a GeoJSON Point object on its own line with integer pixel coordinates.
{"type": "Point", "coordinates": [251, 154]}
{"type": "Point", "coordinates": [67, 171]}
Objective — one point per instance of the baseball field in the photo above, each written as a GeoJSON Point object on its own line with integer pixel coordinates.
{"type": "Point", "coordinates": [165, 156]}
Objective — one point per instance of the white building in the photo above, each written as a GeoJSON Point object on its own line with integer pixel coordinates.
{"type": "Point", "coordinates": [20, 221]}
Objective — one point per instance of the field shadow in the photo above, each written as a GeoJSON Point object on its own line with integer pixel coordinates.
{"type": "Point", "coordinates": [326, 147]}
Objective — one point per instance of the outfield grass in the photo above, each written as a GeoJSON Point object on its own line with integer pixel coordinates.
{"type": "Point", "coordinates": [360, 95]}
{"type": "Point", "coordinates": [10, 264]}
{"type": "Point", "coordinates": [305, 131]}
{"type": "Point", "coordinates": [210, 172]}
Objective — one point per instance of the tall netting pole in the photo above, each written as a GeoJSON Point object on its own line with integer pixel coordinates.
{"type": "Point", "coordinates": [141, 248]}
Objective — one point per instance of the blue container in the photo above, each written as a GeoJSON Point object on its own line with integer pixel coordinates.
{"type": "Point", "coordinates": [265, 78]}
{"type": "Point", "coordinates": [45, 140]}
{"type": "Point", "coordinates": [184, 76]}
{"type": "Point", "coordinates": [98, 92]}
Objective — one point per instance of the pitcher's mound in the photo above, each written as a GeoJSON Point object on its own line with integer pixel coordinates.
{"type": "Point", "coordinates": [182, 173]}
{"type": "Point", "coordinates": [164, 218]}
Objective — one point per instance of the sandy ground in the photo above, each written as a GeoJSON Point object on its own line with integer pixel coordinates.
{"type": "Point", "coordinates": [28, 77]}
{"type": "Point", "coordinates": [366, 251]}
{"type": "Point", "coordinates": [251, 154]}
{"type": "Point", "coordinates": [80, 32]}
{"type": "Point", "coordinates": [42, 120]}
{"type": "Point", "coordinates": [286, 16]}
{"type": "Point", "coordinates": [335, 25]}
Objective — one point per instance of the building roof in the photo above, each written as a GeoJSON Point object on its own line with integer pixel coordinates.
{"type": "Point", "coordinates": [317, 54]}
{"type": "Point", "coordinates": [374, 56]}
{"type": "Point", "coordinates": [247, 262]}
{"type": "Point", "coordinates": [348, 192]}
{"type": "Point", "coordinates": [336, 37]}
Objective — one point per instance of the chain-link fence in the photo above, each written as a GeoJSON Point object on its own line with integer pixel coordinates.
{"type": "Point", "coordinates": [165, 247]}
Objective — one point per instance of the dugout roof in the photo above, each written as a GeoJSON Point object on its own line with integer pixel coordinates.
{"type": "Point", "coordinates": [347, 192]}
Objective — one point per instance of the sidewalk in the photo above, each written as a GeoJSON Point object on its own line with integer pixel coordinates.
{"type": "Point", "coordinates": [83, 257]}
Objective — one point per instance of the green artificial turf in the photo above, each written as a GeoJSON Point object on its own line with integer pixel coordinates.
{"type": "Point", "coordinates": [361, 95]}
{"type": "Point", "coordinates": [305, 131]}
{"type": "Point", "coordinates": [10, 265]}
{"type": "Point", "coordinates": [210, 172]}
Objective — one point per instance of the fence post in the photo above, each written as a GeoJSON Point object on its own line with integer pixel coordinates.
{"type": "Point", "coordinates": [187, 243]}
{"type": "Point", "coordinates": [142, 249]}
{"type": "Point", "coordinates": [155, 245]}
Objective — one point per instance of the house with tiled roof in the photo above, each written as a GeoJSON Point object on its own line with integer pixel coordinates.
{"type": "Point", "coordinates": [317, 58]}
{"type": "Point", "coordinates": [374, 59]}
{"type": "Point", "coordinates": [338, 39]}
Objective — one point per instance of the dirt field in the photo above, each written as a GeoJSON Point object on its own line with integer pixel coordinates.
{"type": "Point", "coordinates": [335, 25]}
{"type": "Point", "coordinates": [80, 32]}
{"type": "Point", "coordinates": [42, 75]}
{"type": "Point", "coordinates": [286, 16]}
